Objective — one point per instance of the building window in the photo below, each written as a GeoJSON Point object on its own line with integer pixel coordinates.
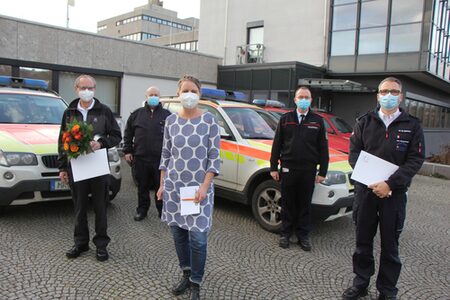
{"type": "Point", "coordinates": [432, 116]}
{"type": "Point", "coordinates": [255, 40]}
{"type": "Point", "coordinates": [336, 2]}
{"type": "Point", "coordinates": [36, 73]}
{"type": "Point", "coordinates": [406, 11]}
{"type": "Point", "coordinates": [374, 13]}
{"type": "Point", "coordinates": [5, 70]}
{"type": "Point", "coordinates": [343, 43]}
{"type": "Point", "coordinates": [439, 57]}
{"type": "Point", "coordinates": [372, 40]}
{"type": "Point", "coordinates": [405, 38]}
{"type": "Point", "coordinates": [107, 90]}
{"type": "Point", "coordinates": [344, 17]}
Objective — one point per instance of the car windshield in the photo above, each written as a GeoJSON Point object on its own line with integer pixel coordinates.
{"type": "Point", "coordinates": [249, 123]}
{"type": "Point", "coordinates": [30, 109]}
{"type": "Point", "coordinates": [341, 125]}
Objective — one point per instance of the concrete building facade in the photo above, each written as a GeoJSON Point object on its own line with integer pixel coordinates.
{"type": "Point", "coordinates": [342, 49]}
{"type": "Point", "coordinates": [123, 69]}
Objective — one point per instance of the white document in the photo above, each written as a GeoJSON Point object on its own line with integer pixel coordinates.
{"type": "Point", "coordinates": [187, 196]}
{"type": "Point", "coordinates": [90, 165]}
{"type": "Point", "coordinates": [370, 169]}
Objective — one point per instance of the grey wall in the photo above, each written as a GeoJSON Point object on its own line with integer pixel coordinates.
{"type": "Point", "coordinates": [27, 41]}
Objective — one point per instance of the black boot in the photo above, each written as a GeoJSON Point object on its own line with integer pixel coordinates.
{"type": "Point", "coordinates": [183, 284]}
{"type": "Point", "coordinates": [195, 291]}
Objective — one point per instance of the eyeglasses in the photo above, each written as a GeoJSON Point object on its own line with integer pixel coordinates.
{"type": "Point", "coordinates": [392, 92]}
{"type": "Point", "coordinates": [86, 88]}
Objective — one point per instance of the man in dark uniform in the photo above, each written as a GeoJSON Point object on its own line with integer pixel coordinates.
{"type": "Point", "coordinates": [142, 147]}
{"type": "Point", "coordinates": [393, 135]}
{"type": "Point", "coordinates": [300, 144]}
{"type": "Point", "coordinates": [106, 135]}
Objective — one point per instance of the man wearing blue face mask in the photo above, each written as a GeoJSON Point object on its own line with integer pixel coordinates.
{"type": "Point", "coordinates": [142, 147]}
{"type": "Point", "coordinates": [300, 144]}
{"type": "Point", "coordinates": [393, 135]}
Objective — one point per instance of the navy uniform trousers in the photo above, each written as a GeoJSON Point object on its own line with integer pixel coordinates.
{"type": "Point", "coordinates": [147, 175]}
{"type": "Point", "coordinates": [99, 190]}
{"type": "Point", "coordinates": [389, 213]}
{"type": "Point", "coordinates": [297, 187]}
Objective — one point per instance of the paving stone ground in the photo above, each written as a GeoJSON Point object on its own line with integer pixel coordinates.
{"type": "Point", "coordinates": [244, 261]}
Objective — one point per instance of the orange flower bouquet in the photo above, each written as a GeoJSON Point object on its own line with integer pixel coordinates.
{"type": "Point", "coordinates": [76, 139]}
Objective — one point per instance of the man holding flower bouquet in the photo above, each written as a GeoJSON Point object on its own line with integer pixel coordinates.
{"type": "Point", "coordinates": [87, 125]}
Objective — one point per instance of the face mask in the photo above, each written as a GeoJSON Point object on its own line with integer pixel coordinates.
{"type": "Point", "coordinates": [303, 104]}
{"type": "Point", "coordinates": [86, 95]}
{"type": "Point", "coordinates": [389, 101]}
{"type": "Point", "coordinates": [189, 100]}
{"type": "Point", "coordinates": [153, 100]}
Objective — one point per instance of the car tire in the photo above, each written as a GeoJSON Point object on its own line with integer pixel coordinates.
{"type": "Point", "coordinates": [266, 205]}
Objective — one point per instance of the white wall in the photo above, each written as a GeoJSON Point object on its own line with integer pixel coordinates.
{"type": "Point", "coordinates": [293, 30]}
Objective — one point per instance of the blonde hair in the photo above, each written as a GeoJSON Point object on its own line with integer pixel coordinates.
{"type": "Point", "coordinates": [191, 79]}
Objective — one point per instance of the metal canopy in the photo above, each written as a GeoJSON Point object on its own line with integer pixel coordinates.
{"type": "Point", "coordinates": [335, 85]}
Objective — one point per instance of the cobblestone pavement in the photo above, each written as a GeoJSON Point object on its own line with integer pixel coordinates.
{"type": "Point", "coordinates": [244, 261]}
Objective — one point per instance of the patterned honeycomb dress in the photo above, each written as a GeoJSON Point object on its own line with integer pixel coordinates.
{"type": "Point", "coordinates": [191, 148]}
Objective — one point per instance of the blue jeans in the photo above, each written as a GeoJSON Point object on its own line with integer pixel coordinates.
{"type": "Point", "coordinates": [191, 247]}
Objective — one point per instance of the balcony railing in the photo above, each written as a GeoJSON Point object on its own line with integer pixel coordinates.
{"type": "Point", "coordinates": [249, 54]}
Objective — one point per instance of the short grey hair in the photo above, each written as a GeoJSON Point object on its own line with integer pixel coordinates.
{"type": "Point", "coordinates": [77, 81]}
{"type": "Point", "coordinates": [391, 79]}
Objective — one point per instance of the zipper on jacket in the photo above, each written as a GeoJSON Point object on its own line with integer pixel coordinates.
{"type": "Point", "coordinates": [387, 134]}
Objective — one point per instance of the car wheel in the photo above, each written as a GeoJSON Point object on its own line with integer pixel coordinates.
{"type": "Point", "coordinates": [266, 205]}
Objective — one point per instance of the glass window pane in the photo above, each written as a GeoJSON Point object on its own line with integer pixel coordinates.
{"type": "Point", "coordinates": [405, 38]}
{"type": "Point", "coordinates": [343, 43]}
{"type": "Point", "coordinates": [406, 11]}
{"type": "Point", "coordinates": [336, 2]}
{"type": "Point", "coordinates": [412, 108]}
{"type": "Point", "coordinates": [36, 73]}
{"type": "Point", "coordinates": [5, 70]}
{"type": "Point", "coordinates": [256, 35]}
{"type": "Point", "coordinates": [374, 13]}
{"type": "Point", "coordinates": [372, 40]}
{"type": "Point", "coordinates": [344, 17]}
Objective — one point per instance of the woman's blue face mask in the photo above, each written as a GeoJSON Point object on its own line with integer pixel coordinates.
{"type": "Point", "coordinates": [153, 100]}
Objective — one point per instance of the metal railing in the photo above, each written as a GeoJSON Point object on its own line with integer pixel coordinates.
{"type": "Point", "coordinates": [250, 53]}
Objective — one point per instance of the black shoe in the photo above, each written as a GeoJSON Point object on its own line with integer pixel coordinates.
{"type": "Point", "coordinates": [284, 242]}
{"type": "Point", "coordinates": [183, 284]}
{"type": "Point", "coordinates": [102, 254]}
{"type": "Point", "coordinates": [139, 216]}
{"type": "Point", "coordinates": [195, 291]}
{"type": "Point", "coordinates": [305, 244]}
{"type": "Point", "coordinates": [353, 293]}
{"type": "Point", "coordinates": [76, 251]}
{"type": "Point", "coordinates": [384, 297]}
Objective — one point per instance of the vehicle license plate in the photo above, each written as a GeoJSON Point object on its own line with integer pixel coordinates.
{"type": "Point", "coordinates": [57, 185]}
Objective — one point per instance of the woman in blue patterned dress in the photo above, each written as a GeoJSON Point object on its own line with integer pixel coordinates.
{"type": "Point", "coordinates": [190, 157]}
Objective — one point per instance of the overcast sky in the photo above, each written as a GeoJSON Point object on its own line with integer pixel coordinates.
{"type": "Point", "coordinates": [86, 13]}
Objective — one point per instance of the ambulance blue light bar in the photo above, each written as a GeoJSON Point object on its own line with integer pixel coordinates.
{"type": "Point", "coordinates": [213, 93]}
{"type": "Point", "coordinates": [23, 82]}
{"type": "Point", "coordinates": [268, 102]}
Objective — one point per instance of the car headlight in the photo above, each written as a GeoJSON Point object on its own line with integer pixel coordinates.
{"type": "Point", "coordinates": [8, 159]}
{"type": "Point", "coordinates": [113, 155]}
{"type": "Point", "coordinates": [335, 177]}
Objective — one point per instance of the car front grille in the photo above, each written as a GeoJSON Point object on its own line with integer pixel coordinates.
{"type": "Point", "coordinates": [50, 161]}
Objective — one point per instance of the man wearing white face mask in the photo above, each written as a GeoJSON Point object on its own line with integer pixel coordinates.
{"type": "Point", "coordinates": [300, 144]}
{"type": "Point", "coordinates": [106, 134]}
{"type": "Point", "coordinates": [142, 147]}
{"type": "Point", "coordinates": [393, 135]}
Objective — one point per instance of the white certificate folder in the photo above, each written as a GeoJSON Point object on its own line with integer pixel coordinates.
{"type": "Point", "coordinates": [90, 165]}
{"type": "Point", "coordinates": [187, 196]}
{"type": "Point", "coordinates": [370, 169]}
